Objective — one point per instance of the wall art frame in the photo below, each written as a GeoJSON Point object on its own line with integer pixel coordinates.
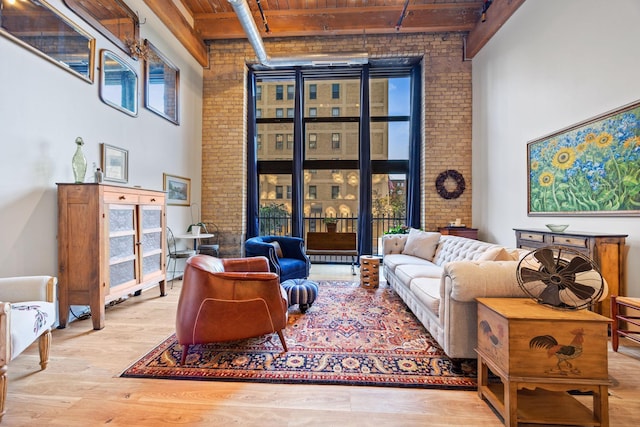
{"type": "Point", "coordinates": [114, 163]}
{"type": "Point", "coordinates": [591, 168]}
{"type": "Point", "coordinates": [178, 189]}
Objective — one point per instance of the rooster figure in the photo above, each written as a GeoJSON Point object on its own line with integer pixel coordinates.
{"type": "Point", "coordinates": [564, 353]}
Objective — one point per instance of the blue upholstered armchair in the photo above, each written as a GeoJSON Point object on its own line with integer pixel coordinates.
{"type": "Point", "coordinates": [286, 255]}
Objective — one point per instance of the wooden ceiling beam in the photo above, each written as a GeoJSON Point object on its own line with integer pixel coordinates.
{"type": "Point", "coordinates": [344, 21]}
{"type": "Point", "coordinates": [171, 16]}
{"type": "Point", "coordinates": [497, 15]}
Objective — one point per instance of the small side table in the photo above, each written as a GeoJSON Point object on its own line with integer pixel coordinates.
{"type": "Point", "coordinates": [540, 354]}
{"type": "Point", "coordinates": [622, 311]}
{"type": "Point", "coordinates": [370, 271]}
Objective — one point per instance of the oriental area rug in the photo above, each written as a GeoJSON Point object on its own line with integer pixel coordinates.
{"type": "Point", "coordinates": [350, 336]}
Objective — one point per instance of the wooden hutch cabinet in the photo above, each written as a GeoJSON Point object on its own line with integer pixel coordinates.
{"type": "Point", "coordinates": [111, 243]}
{"type": "Point", "coordinates": [606, 250]}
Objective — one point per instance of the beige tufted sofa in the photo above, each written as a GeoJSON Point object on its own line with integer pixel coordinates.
{"type": "Point", "coordinates": [440, 276]}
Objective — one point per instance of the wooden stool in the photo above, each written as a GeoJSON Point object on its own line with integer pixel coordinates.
{"type": "Point", "coordinates": [369, 271]}
{"type": "Point", "coordinates": [619, 317]}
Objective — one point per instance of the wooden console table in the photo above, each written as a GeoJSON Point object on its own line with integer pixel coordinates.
{"type": "Point", "coordinates": [469, 233]}
{"type": "Point", "coordinates": [336, 244]}
{"type": "Point", "coordinates": [540, 353]}
{"type": "Point", "coordinates": [606, 250]}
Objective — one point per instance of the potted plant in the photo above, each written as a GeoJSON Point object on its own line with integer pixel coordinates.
{"type": "Point", "coordinates": [331, 223]}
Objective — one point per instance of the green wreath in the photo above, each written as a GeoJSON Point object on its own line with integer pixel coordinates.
{"type": "Point", "coordinates": [443, 177]}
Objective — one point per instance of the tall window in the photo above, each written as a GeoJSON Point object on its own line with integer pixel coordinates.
{"type": "Point", "coordinates": [335, 91]}
{"type": "Point", "coordinates": [347, 152]}
{"type": "Point", "coordinates": [258, 93]}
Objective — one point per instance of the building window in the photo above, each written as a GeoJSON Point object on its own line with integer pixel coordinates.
{"type": "Point", "coordinates": [290, 92]}
{"type": "Point", "coordinates": [335, 91]}
{"type": "Point", "coordinates": [335, 141]}
{"type": "Point", "coordinates": [289, 192]}
{"type": "Point", "coordinates": [313, 112]}
{"type": "Point", "coordinates": [258, 113]}
{"type": "Point", "coordinates": [335, 112]}
{"type": "Point", "coordinates": [279, 113]}
{"type": "Point", "coordinates": [278, 191]}
{"type": "Point", "coordinates": [279, 141]}
{"type": "Point", "coordinates": [313, 192]}
{"type": "Point", "coordinates": [313, 91]}
{"type": "Point", "coordinates": [335, 191]}
{"type": "Point", "coordinates": [279, 93]}
{"type": "Point", "coordinates": [289, 141]}
{"type": "Point", "coordinates": [259, 141]}
{"type": "Point", "coordinates": [313, 141]}
{"type": "Point", "coordinates": [259, 93]}
{"type": "Point", "coordinates": [290, 113]}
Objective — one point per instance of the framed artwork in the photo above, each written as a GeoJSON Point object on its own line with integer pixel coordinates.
{"type": "Point", "coordinates": [178, 190]}
{"type": "Point", "coordinates": [591, 168]}
{"type": "Point", "coordinates": [115, 163]}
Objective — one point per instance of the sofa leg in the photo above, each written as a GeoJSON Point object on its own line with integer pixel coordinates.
{"type": "Point", "coordinates": [185, 351]}
{"type": "Point", "coordinates": [44, 345]}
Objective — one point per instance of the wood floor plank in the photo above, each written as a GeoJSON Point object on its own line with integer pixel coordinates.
{"type": "Point", "coordinates": [81, 386]}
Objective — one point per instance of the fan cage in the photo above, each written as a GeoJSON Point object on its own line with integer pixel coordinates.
{"type": "Point", "coordinates": [555, 285]}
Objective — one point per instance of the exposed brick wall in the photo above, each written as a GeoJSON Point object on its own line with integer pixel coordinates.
{"type": "Point", "coordinates": [446, 121]}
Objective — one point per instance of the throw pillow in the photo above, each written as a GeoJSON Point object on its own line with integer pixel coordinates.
{"type": "Point", "coordinates": [277, 247]}
{"type": "Point", "coordinates": [422, 244]}
{"type": "Point", "coordinates": [495, 254]}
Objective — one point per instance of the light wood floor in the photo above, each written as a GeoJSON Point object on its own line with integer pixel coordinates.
{"type": "Point", "coordinates": [81, 386]}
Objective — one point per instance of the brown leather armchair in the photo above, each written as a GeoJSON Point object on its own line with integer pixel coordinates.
{"type": "Point", "coordinates": [229, 299]}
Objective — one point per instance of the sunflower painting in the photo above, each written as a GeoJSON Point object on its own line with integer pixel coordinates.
{"type": "Point", "coordinates": [592, 168]}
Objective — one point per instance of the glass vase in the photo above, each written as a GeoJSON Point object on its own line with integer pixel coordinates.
{"type": "Point", "coordinates": [79, 162]}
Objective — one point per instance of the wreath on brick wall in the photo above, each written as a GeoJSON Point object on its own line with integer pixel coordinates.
{"type": "Point", "coordinates": [442, 179]}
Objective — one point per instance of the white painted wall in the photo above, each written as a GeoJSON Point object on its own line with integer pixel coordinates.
{"type": "Point", "coordinates": [553, 64]}
{"type": "Point", "coordinates": [44, 108]}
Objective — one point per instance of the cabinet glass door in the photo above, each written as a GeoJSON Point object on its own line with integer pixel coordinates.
{"type": "Point", "coordinates": [151, 239]}
{"type": "Point", "coordinates": [122, 245]}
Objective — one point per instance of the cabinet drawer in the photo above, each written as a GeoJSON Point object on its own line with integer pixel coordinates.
{"type": "Point", "coordinates": [578, 242]}
{"type": "Point", "coordinates": [151, 199]}
{"type": "Point", "coordinates": [120, 197]}
{"type": "Point", "coordinates": [534, 237]}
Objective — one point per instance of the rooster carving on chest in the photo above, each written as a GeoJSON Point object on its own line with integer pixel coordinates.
{"type": "Point", "coordinates": [564, 353]}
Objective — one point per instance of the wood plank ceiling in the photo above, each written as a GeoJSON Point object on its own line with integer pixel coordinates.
{"type": "Point", "coordinates": [194, 22]}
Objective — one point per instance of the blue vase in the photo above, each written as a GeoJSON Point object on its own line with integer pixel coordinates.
{"type": "Point", "coordinates": [79, 163]}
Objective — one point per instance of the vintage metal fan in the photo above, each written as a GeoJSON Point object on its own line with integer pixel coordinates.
{"type": "Point", "coordinates": [560, 278]}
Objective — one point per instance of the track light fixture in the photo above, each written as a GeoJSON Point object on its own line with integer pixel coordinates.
{"type": "Point", "coordinates": [485, 6]}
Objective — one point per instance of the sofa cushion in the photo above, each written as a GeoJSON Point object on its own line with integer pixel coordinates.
{"type": "Point", "coordinates": [394, 260]}
{"type": "Point", "coordinates": [427, 291]}
{"type": "Point", "coordinates": [497, 253]}
{"type": "Point", "coordinates": [422, 244]}
{"type": "Point", "coordinates": [407, 272]}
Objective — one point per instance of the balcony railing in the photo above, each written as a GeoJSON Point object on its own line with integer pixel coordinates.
{"type": "Point", "coordinates": [280, 225]}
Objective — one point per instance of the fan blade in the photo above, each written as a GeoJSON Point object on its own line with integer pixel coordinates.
{"type": "Point", "coordinates": [551, 296]}
{"type": "Point", "coordinates": [577, 265]}
{"type": "Point", "coordinates": [546, 258]}
{"type": "Point", "coordinates": [580, 290]}
{"type": "Point", "coordinates": [530, 275]}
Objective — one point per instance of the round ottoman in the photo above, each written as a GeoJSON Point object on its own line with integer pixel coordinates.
{"type": "Point", "coordinates": [301, 291]}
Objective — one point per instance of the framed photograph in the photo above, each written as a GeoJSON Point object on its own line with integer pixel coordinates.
{"type": "Point", "coordinates": [115, 163]}
{"type": "Point", "coordinates": [591, 168]}
{"type": "Point", "coordinates": [178, 190]}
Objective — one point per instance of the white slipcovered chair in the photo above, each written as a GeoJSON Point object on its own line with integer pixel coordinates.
{"type": "Point", "coordinates": [27, 313]}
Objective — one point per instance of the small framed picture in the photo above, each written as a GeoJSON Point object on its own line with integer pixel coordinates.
{"type": "Point", "coordinates": [115, 163]}
{"type": "Point", "coordinates": [178, 190]}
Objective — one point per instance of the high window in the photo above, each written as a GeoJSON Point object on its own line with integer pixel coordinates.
{"type": "Point", "coordinates": [349, 150]}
